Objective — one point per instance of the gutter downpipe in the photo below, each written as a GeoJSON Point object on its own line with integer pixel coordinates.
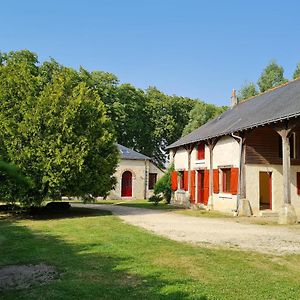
{"type": "Point", "coordinates": [240, 171]}
{"type": "Point", "coordinates": [146, 179]}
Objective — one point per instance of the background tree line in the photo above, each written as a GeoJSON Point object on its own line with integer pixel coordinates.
{"type": "Point", "coordinates": [272, 76]}
{"type": "Point", "coordinates": [60, 126]}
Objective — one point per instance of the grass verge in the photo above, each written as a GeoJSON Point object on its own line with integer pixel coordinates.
{"type": "Point", "coordinates": [100, 257]}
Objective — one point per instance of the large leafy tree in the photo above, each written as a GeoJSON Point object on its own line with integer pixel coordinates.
{"type": "Point", "coordinates": [169, 115]}
{"type": "Point", "coordinates": [127, 107]}
{"type": "Point", "coordinates": [201, 114]}
{"type": "Point", "coordinates": [54, 127]}
{"type": "Point", "coordinates": [271, 76]}
{"type": "Point", "coordinates": [247, 90]}
{"type": "Point", "coordinates": [134, 128]}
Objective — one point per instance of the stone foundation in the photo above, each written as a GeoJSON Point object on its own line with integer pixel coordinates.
{"type": "Point", "coordinates": [287, 215]}
{"type": "Point", "coordinates": [244, 209]}
{"type": "Point", "coordinates": [181, 198]}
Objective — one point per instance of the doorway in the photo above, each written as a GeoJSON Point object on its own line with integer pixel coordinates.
{"type": "Point", "coordinates": [265, 190]}
{"type": "Point", "coordinates": [126, 189]}
{"type": "Point", "coordinates": [200, 186]}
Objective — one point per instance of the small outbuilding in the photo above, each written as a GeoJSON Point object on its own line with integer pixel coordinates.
{"type": "Point", "coordinates": [136, 175]}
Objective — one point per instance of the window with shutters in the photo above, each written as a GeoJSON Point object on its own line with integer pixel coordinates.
{"type": "Point", "coordinates": [201, 151]}
{"type": "Point", "coordinates": [226, 180]}
{"type": "Point", "coordinates": [152, 180]}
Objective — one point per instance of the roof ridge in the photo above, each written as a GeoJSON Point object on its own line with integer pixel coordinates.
{"type": "Point", "coordinates": [240, 118]}
{"type": "Point", "coordinates": [270, 90]}
{"type": "Point", "coordinates": [132, 151]}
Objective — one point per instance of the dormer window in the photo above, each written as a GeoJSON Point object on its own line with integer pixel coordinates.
{"type": "Point", "coordinates": [201, 151]}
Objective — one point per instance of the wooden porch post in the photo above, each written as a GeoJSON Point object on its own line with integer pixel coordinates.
{"type": "Point", "coordinates": [189, 150]}
{"type": "Point", "coordinates": [172, 155]}
{"type": "Point", "coordinates": [189, 169]}
{"type": "Point", "coordinates": [287, 213]}
{"type": "Point", "coordinates": [243, 173]}
{"type": "Point", "coordinates": [211, 144]}
{"type": "Point", "coordinates": [286, 166]}
{"type": "Point", "coordinates": [243, 207]}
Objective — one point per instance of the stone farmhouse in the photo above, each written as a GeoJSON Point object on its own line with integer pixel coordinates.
{"type": "Point", "coordinates": [136, 175]}
{"type": "Point", "coordinates": [245, 161]}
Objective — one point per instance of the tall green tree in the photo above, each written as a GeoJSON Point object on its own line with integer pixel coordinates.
{"type": "Point", "coordinates": [247, 90]}
{"type": "Point", "coordinates": [271, 76]}
{"type": "Point", "coordinates": [169, 115]}
{"type": "Point", "coordinates": [297, 72]}
{"type": "Point", "coordinates": [127, 108]}
{"type": "Point", "coordinates": [55, 129]}
{"type": "Point", "coordinates": [134, 128]}
{"type": "Point", "coordinates": [201, 114]}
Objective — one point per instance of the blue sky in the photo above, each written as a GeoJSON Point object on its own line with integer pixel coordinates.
{"type": "Point", "coordinates": [199, 49]}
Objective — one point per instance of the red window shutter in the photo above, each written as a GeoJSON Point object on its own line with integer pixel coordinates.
{"type": "Point", "coordinates": [298, 183]}
{"type": "Point", "coordinates": [216, 181]}
{"type": "Point", "coordinates": [174, 180]}
{"type": "Point", "coordinates": [234, 178]}
{"type": "Point", "coordinates": [206, 187]}
{"type": "Point", "coordinates": [201, 151]}
{"type": "Point", "coordinates": [185, 180]}
{"type": "Point", "coordinates": [193, 185]}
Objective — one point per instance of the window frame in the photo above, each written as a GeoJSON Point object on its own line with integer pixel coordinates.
{"type": "Point", "coordinates": [226, 180]}
{"type": "Point", "coordinates": [152, 181]}
{"type": "Point", "coordinates": [201, 151]}
{"type": "Point", "coordinates": [181, 181]}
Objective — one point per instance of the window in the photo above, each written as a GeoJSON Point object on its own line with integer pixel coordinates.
{"type": "Point", "coordinates": [226, 180]}
{"type": "Point", "coordinates": [152, 180]}
{"type": "Point", "coordinates": [201, 151]}
{"type": "Point", "coordinates": [181, 182]}
{"type": "Point", "coordinates": [292, 146]}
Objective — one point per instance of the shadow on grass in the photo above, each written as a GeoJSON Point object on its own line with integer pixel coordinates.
{"type": "Point", "coordinates": [88, 270]}
{"type": "Point", "coordinates": [149, 205]}
{"type": "Point", "coordinates": [73, 212]}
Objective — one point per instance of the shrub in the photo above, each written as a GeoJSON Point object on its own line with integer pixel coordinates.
{"type": "Point", "coordinates": [155, 199]}
{"type": "Point", "coordinates": [163, 185]}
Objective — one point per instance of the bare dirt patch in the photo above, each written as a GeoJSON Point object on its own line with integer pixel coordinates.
{"type": "Point", "coordinates": [25, 276]}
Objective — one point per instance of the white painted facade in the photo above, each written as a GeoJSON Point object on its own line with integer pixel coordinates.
{"type": "Point", "coordinates": [140, 170]}
{"type": "Point", "coordinates": [226, 154]}
{"type": "Point", "coordinates": [252, 186]}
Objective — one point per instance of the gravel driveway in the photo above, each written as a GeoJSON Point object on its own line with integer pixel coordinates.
{"type": "Point", "coordinates": [209, 231]}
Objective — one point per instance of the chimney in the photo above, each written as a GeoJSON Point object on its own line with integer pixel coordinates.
{"type": "Point", "coordinates": [234, 99]}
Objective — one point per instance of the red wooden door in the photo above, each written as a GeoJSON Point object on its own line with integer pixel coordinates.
{"type": "Point", "coordinates": [200, 187]}
{"type": "Point", "coordinates": [126, 189]}
{"type": "Point", "coordinates": [193, 186]}
{"type": "Point", "coordinates": [206, 187]}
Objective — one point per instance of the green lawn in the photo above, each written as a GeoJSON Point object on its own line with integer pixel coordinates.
{"type": "Point", "coordinates": [102, 258]}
